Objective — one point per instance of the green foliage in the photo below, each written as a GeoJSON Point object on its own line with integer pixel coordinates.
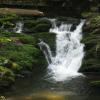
{"type": "Point", "coordinates": [8, 20]}
{"type": "Point", "coordinates": [24, 55]}
{"type": "Point", "coordinates": [27, 39]}
{"type": "Point", "coordinates": [8, 17]}
{"type": "Point", "coordinates": [24, 38]}
{"type": "Point", "coordinates": [8, 25]}
{"type": "Point", "coordinates": [5, 40]}
{"type": "Point", "coordinates": [4, 33]}
{"type": "Point", "coordinates": [89, 15]}
{"type": "Point", "coordinates": [95, 22]}
{"type": "Point", "coordinates": [20, 52]}
{"type": "Point", "coordinates": [13, 66]}
{"type": "Point", "coordinates": [21, 58]}
{"type": "Point", "coordinates": [3, 61]}
{"type": "Point", "coordinates": [6, 74]}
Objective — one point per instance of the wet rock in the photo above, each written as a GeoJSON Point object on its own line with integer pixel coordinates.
{"type": "Point", "coordinates": [91, 39]}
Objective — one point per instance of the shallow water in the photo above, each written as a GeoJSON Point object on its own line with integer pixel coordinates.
{"type": "Point", "coordinates": [40, 89]}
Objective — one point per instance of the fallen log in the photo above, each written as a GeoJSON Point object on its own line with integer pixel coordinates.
{"type": "Point", "coordinates": [21, 11]}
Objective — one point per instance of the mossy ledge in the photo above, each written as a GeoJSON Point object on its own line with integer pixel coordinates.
{"type": "Point", "coordinates": [19, 52]}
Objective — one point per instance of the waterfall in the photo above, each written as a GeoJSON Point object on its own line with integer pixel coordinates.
{"type": "Point", "coordinates": [69, 51]}
{"type": "Point", "coordinates": [18, 28]}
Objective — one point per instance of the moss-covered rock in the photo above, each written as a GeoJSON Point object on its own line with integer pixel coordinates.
{"type": "Point", "coordinates": [42, 28]}
{"type": "Point", "coordinates": [91, 62]}
{"type": "Point", "coordinates": [8, 21]}
{"type": "Point", "coordinates": [27, 39]}
{"type": "Point", "coordinates": [18, 53]}
{"type": "Point", "coordinates": [47, 37]}
{"type": "Point", "coordinates": [6, 76]}
{"type": "Point", "coordinates": [39, 25]}
{"type": "Point", "coordinates": [21, 54]}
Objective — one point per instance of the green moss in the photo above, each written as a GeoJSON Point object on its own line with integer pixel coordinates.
{"type": "Point", "coordinates": [47, 37]}
{"type": "Point", "coordinates": [24, 55]}
{"type": "Point", "coordinates": [30, 24]}
{"type": "Point", "coordinates": [93, 22]}
{"type": "Point", "coordinates": [91, 39]}
{"type": "Point", "coordinates": [3, 61]}
{"type": "Point", "coordinates": [43, 21]}
{"type": "Point", "coordinates": [8, 17]}
{"type": "Point", "coordinates": [42, 28]}
{"type": "Point", "coordinates": [21, 51]}
{"type": "Point", "coordinates": [13, 66]}
{"type": "Point", "coordinates": [89, 15]}
{"type": "Point", "coordinates": [4, 33]}
{"type": "Point", "coordinates": [8, 20]}
{"type": "Point", "coordinates": [27, 39]}
{"type": "Point", "coordinates": [91, 63]}
{"type": "Point", "coordinates": [95, 82]}
{"type": "Point", "coordinates": [6, 74]}
{"type": "Point", "coordinates": [21, 58]}
{"type": "Point", "coordinates": [40, 25]}
{"type": "Point", "coordinates": [5, 40]}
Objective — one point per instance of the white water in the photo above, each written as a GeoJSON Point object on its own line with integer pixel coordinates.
{"type": "Point", "coordinates": [19, 27]}
{"type": "Point", "coordinates": [46, 50]}
{"type": "Point", "coordinates": [69, 52]}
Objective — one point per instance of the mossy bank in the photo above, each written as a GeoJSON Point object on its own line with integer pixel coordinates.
{"type": "Point", "coordinates": [19, 52]}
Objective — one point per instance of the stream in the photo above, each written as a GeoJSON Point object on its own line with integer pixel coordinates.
{"type": "Point", "coordinates": [37, 88]}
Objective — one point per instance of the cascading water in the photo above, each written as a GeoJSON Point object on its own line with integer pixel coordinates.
{"type": "Point", "coordinates": [69, 52]}
{"type": "Point", "coordinates": [19, 27]}
{"type": "Point", "coordinates": [46, 50]}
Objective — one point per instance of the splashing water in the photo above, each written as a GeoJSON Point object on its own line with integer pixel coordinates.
{"type": "Point", "coordinates": [69, 52]}
{"type": "Point", "coordinates": [19, 27]}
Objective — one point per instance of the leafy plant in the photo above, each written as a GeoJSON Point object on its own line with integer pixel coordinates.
{"type": "Point", "coordinates": [6, 74]}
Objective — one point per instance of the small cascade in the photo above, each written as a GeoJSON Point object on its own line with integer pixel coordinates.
{"type": "Point", "coordinates": [18, 28]}
{"type": "Point", "coordinates": [69, 51]}
{"type": "Point", "coordinates": [46, 50]}
{"type": "Point", "coordinates": [2, 27]}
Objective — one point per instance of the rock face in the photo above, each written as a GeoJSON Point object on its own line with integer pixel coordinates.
{"type": "Point", "coordinates": [91, 39]}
